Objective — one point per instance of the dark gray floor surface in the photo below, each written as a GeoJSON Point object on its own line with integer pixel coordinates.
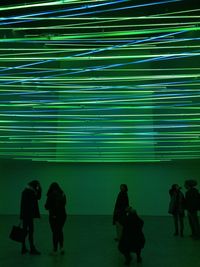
{"type": "Point", "coordinates": [89, 241]}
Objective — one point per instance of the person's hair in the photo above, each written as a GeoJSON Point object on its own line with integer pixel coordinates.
{"type": "Point", "coordinates": [34, 183]}
{"type": "Point", "coordinates": [190, 183]}
{"type": "Point", "coordinates": [174, 186]}
{"type": "Point", "coordinates": [54, 187]}
{"type": "Point", "coordinates": [125, 187]}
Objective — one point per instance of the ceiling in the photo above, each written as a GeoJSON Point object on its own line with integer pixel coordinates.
{"type": "Point", "coordinates": [100, 81]}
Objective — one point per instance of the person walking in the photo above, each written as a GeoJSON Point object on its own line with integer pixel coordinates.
{"type": "Point", "coordinates": [55, 204]}
{"type": "Point", "coordinates": [176, 208]}
{"type": "Point", "coordinates": [29, 210]}
{"type": "Point", "coordinates": [122, 203]}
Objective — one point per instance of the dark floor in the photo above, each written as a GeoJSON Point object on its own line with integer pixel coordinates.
{"type": "Point", "coordinates": [89, 241]}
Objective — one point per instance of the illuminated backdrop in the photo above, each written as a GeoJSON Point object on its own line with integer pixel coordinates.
{"type": "Point", "coordinates": [100, 81]}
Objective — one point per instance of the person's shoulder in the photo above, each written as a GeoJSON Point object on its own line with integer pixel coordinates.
{"type": "Point", "coordinates": [63, 194]}
{"type": "Point", "coordinates": [26, 190]}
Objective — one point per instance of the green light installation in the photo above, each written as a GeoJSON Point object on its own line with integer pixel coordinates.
{"type": "Point", "coordinates": [100, 81]}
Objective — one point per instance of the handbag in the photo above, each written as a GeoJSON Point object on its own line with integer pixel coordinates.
{"type": "Point", "coordinates": [17, 233]}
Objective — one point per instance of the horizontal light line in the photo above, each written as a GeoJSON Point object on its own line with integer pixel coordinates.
{"type": "Point", "coordinates": [95, 18]}
{"type": "Point", "coordinates": [44, 4]}
{"type": "Point", "coordinates": [76, 58]}
{"type": "Point", "coordinates": [100, 27]}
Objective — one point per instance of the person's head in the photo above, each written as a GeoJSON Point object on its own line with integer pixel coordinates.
{"type": "Point", "coordinates": [35, 184]}
{"type": "Point", "coordinates": [123, 188]}
{"type": "Point", "coordinates": [130, 211]}
{"type": "Point", "coordinates": [53, 188]}
{"type": "Point", "coordinates": [190, 183]}
{"type": "Point", "coordinates": [175, 187]}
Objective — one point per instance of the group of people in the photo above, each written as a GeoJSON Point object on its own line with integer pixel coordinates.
{"type": "Point", "coordinates": [129, 226]}
{"type": "Point", "coordinates": [190, 202]}
{"type": "Point", "coordinates": [29, 209]}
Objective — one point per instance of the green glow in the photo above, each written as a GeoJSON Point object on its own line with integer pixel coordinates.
{"type": "Point", "coordinates": [79, 26]}
{"type": "Point", "coordinates": [100, 87]}
{"type": "Point", "coordinates": [44, 4]}
{"type": "Point", "coordinates": [104, 34]}
{"type": "Point", "coordinates": [7, 59]}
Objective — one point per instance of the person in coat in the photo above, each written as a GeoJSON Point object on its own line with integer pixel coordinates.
{"type": "Point", "coordinates": [132, 239]}
{"type": "Point", "coordinates": [122, 203]}
{"type": "Point", "coordinates": [192, 202]}
{"type": "Point", "coordinates": [176, 208]}
{"type": "Point", "coordinates": [55, 204]}
{"type": "Point", "coordinates": [29, 210]}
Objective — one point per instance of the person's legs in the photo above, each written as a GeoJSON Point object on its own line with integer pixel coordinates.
{"type": "Point", "coordinates": [24, 250]}
{"type": "Point", "coordinates": [61, 235]}
{"type": "Point", "coordinates": [55, 237]}
{"type": "Point", "coordinates": [175, 216]}
{"type": "Point", "coordinates": [195, 224]}
{"type": "Point", "coordinates": [128, 257]}
{"type": "Point", "coordinates": [30, 234]}
{"type": "Point", "coordinates": [122, 246]}
{"type": "Point", "coordinates": [191, 223]}
{"type": "Point", "coordinates": [33, 250]}
{"type": "Point", "coordinates": [119, 229]}
{"type": "Point", "coordinates": [181, 222]}
{"type": "Point", "coordinates": [138, 253]}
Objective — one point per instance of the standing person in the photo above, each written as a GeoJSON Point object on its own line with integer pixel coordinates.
{"type": "Point", "coordinates": [28, 211]}
{"type": "Point", "coordinates": [192, 200]}
{"type": "Point", "coordinates": [132, 239]}
{"type": "Point", "coordinates": [122, 203]}
{"type": "Point", "coordinates": [176, 208]}
{"type": "Point", "coordinates": [55, 204]}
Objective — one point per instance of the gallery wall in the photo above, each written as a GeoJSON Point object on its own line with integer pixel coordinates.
{"type": "Point", "coordinates": [92, 188]}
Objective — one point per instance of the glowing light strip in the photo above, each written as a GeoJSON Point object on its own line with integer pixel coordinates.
{"type": "Point", "coordinates": [35, 5]}
{"type": "Point", "coordinates": [67, 26]}
{"type": "Point", "coordinates": [108, 112]}
{"type": "Point", "coordinates": [99, 67]}
{"type": "Point", "coordinates": [62, 11]}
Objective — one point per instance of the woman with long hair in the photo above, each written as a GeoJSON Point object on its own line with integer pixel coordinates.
{"type": "Point", "coordinates": [55, 204]}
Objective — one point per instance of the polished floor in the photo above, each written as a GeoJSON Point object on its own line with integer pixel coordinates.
{"type": "Point", "coordinates": [89, 241]}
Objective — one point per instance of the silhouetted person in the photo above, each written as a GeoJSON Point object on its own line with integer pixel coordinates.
{"type": "Point", "coordinates": [28, 211]}
{"type": "Point", "coordinates": [132, 239]}
{"type": "Point", "coordinates": [121, 205]}
{"type": "Point", "coordinates": [176, 208]}
{"type": "Point", "coordinates": [55, 204]}
{"type": "Point", "coordinates": [192, 202]}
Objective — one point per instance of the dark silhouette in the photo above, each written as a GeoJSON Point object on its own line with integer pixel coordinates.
{"type": "Point", "coordinates": [55, 204]}
{"type": "Point", "coordinates": [30, 210]}
{"type": "Point", "coordinates": [121, 205]}
{"type": "Point", "coordinates": [192, 202]}
{"type": "Point", "coordinates": [132, 239]}
{"type": "Point", "coordinates": [176, 208]}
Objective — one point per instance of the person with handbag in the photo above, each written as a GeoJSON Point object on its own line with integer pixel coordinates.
{"type": "Point", "coordinates": [28, 211]}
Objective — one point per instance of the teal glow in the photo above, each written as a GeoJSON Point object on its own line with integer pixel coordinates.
{"type": "Point", "coordinates": [99, 88]}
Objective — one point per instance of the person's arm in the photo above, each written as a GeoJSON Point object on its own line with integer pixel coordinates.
{"type": "Point", "coordinates": [127, 201]}
{"type": "Point", "coordinates": [22, 206]}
